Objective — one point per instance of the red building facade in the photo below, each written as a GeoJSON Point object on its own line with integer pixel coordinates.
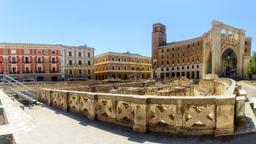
{"type": "Point", "coordinates": [26, 62]}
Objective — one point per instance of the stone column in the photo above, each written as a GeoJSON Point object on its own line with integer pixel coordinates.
{"type": "Point", "coordinates": [179, 116]}
{"type": "Point", "coordinates": [240, 54]}
{"type": "Point", "coordinates": [225, 116]}
{"type": "Point", "coordinates": [140, 114]}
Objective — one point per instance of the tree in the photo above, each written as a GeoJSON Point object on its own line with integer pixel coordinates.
{"type": "Point", "coordinates": [252, 65]}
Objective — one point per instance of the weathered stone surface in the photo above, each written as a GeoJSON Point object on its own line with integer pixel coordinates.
{"type": "Point", "coordinates": [189, 115]}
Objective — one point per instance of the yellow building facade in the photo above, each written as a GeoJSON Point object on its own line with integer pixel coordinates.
{"type": "Point", "coordinates": [124, 66]}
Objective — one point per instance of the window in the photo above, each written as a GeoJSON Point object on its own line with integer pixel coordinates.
{"type": "Point", "coordinates": [80, 72]}
{"type": "Point", "coordinates": [53, 69]}
{"type": "Point", "coordinates": [14, 70]}
{"type": "Point", "coordinates": [39, 69]}
{"type": "Point", "coordinates": [39, 51]}
{"type": "Point", "coordinates": [53, 52]}
{"type": "Point", "coordinates": [89, 54]}
{"type": "Point", "coordinates": [27, 69]}
{"type": "Point", "coordinates": [79, 62]}
{"type": "Point", "coordinates": [70, 53]}
{"type": "Point", "coordinates": [53, 60]}
{"type": "Point", "coordinates": [26, 59]}
{"type": "Point", "coordinates": [119, 68]}
{"type": "Point", "coordinates": [125, 68]}
{"type": "Point", "coordinates": [89, 71]}
{"type": "Point", "coordinates": [13, 59]}
{"type": "Point", "coordinates": [26, 51]}
{"type": "Point", "coordinates": [113, 67]}
{"type": "Point", "coordinates": [39, 60]}
{"type": "Point", "coordinates": [113, 59]}
{"type": "Point", "coordinates": [70, 72]}
{"type": "Point", "coordinates": [70, 62]}
{"type": "Point", "coordinates": [89, 63]}
{"type": "Point", "coordinates": [13, 51]}
{"type": "Point", "coordinates": [79, 54]}
{"type": "Point", "coordinates": [119, 59]}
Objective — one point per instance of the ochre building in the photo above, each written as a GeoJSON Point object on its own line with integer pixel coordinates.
{"type": "Point", "coordinates": [78, 62]}
{"type": "Point", "coordinates": [223, 50]}
{"type": "Point", "coordinates": [125, 66]}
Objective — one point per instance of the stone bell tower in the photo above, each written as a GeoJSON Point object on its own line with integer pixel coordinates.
{"type": "Point", "coordinates": [158, 39]}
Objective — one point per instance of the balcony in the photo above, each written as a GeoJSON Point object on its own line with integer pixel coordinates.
{"type": "Point", "coordinates": [54, 71]}
{"type": "Point", "coordinates": [13, 72]}
{"type": "Point", "coordinates": [27, 72]}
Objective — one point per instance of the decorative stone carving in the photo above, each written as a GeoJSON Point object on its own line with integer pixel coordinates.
{"type": "Point", "coordinates": [125, 112]}
{"type": "Point", "coordinates": [104, 108]}
{"type": "Point", "coordinates": [162, 115]}
{"type": "Point", "coordinates": [73, 101]}
{"type": "Point", "coordinates": [199, 116]}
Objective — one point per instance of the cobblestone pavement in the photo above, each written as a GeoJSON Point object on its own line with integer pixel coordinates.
{"type": "Point", "coordinates": [54, 126]}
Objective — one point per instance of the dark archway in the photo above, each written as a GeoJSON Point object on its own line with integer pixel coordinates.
{"type": "Point", "coordinates": [229, 63]}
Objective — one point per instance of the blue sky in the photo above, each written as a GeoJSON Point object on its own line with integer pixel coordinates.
{"type": "Point", "coordinates": [115, 25]}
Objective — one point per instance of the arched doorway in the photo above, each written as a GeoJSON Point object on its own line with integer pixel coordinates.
{"type": "Point", "coordinates": [229, 63]}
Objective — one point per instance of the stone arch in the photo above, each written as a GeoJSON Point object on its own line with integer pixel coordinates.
{"type": "Point", "coordinates": [229, 63]}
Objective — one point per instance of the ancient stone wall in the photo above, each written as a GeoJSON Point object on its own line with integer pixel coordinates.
{"type": "Point", "coordinates": [197, 115]}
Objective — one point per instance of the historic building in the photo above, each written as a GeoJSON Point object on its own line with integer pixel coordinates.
{"type": "Point", "coordinates": [224, 50]}
{"type": "Point", "coordinates": [45, 62]}
{"type": "Point", "coordinates": [124, 66]}
{"type": "Point", "coordinates": [78, 62]}
{"type": "Point", "coordinates": [27, 62]}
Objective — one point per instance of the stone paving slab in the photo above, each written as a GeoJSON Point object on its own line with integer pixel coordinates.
{"type": "Point", "coordinates": [17, 119]}
{"type": "Point", "coordinates": [54, 126]}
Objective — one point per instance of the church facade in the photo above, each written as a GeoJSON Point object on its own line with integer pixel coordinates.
{"type": "Point", "coordinates": [223, 50]}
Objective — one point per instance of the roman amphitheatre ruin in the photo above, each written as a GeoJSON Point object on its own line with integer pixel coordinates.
{"type": "Point", "coordinates": [168, 103]}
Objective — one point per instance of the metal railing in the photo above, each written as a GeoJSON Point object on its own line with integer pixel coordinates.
{"type": "Point", "coordinates": [11, 85]}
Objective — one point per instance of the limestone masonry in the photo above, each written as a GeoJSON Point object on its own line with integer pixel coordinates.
{"type": "Point", "coordinates": [224, 50]}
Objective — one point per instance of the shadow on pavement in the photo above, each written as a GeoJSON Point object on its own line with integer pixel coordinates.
{"type": "Point", "coordinates": [157, 137]}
